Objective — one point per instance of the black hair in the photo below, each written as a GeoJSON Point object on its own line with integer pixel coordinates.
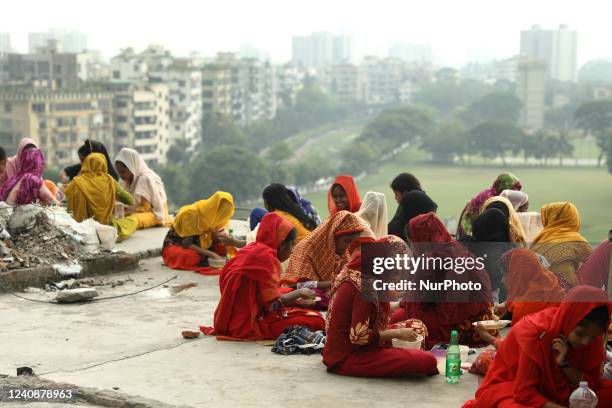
{"type": "Point", "coordinates": [405, 183]}
{"type": "Point", "coordinates": [289, 239]}
{"type": "Point", "coordinates": [491, 226]}
{"type": "Point", "coordinates": [2, 154]}
{"type": "Point", "coordinates": [501, 207]}
{"type": "Point", "coordinates": [93, 146]}
{"type": "Point", "coordinates": [277, 197]}
{"type": "Point", "coordinates": [599, 316]}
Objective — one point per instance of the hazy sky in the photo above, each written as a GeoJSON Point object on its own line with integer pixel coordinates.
{"type": "Point", "coordinates": [452, 28]}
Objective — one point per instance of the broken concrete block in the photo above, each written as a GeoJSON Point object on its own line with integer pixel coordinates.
{"type": "Point", "coordinates": [23, 218]}
{"type": "Point", "coordinates": [76, 295]}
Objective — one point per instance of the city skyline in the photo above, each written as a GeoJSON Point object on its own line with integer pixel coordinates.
{"type": "Point", "coordinates": [185, 28]}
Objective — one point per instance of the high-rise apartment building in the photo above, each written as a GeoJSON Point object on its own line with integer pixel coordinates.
{"type": "Point", "coordinates": [557, 48]}
{"type": "Point", "coordinates": [5, 42]}
{"type": "Point", "coordinates": [320, 49]}
{"type": "Point", "coordinates": [531, 92]}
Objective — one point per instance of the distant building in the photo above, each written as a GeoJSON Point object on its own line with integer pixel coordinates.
{"type": "Point", "coordinates": [128, 66]}
{"type": "Point", "coordinates": [383, 78]}
{"type": "Point", "coordinates": [320, 49]}
{"type": "Point", "coordinates": [290, 81]}
{"type": "Point", "coordinates": [142, 120]}
{"type": "Point", "coordinates": [185, 94]}
{"type": "Point", "coordinates": [45, 68]}
{"type": "Point", "coordinates": [253, 90]}
{"type": "Point", "coordinates": [531, 92]}
{"type": "Point", "coordinates": [217, 90]}
{"type": "Point", "coordinates": [557, 48]}
{"type": "Point", "coordinates": [412, 53]}
{"type": "Point", "coordinates": [347, 83]}
{"type": "Point", "coordinates": [5, 42]}
{"type": "Point", "coordinates": [67, 41]}
{"type": "Point", "coordinates": [59, 121]}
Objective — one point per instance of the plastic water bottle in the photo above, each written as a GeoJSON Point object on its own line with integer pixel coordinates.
{"type": "Point", "coordinates": [583, 397]}
{"type": "Point", "coordinates": [453, 360]}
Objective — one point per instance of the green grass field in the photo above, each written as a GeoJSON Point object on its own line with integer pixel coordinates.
{"type": "Point", "coordinates": [590, 189]}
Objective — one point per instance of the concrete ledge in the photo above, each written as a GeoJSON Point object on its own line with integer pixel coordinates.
{"type": "Point", "coordinates": [103, 398]}
{"type": "Point", "coordinates": [18, 279]}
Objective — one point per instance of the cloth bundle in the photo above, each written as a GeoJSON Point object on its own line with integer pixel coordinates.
{"type": "Point", "coordinates": [299, 340]}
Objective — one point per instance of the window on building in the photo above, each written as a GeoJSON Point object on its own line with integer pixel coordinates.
{"type": "Point", "coordinates": [38, 107]}
{"type": "Point", "coordinates": [8, 107]}
{"type": "Point", "coordinates": [121, 119]}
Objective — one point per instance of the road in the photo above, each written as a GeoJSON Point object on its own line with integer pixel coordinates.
{"type": "Point", "coordinates": [133, 344]}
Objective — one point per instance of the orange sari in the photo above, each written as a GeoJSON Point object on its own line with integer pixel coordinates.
{"type": "Point", "coordinates": [315, 258]}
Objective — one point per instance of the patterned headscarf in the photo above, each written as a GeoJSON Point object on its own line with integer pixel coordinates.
{"type": "Point", "coordinates": [30, 169]}
{"type": "Point", "coordinates": [314, 258]}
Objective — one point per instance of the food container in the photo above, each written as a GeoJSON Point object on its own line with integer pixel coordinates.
{"type": "Point", "coordinates": [216, 263]}
{"type": "Point", "coordinates": [464, 351]}
{"type": "Point", "coordinates": [493, 324]}
{"type": "Point", "coordinates": [399, 343]}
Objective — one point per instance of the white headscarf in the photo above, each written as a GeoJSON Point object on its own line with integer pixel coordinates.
{"type": "Point", "coordinates": [373, 211]}
{"type": "Point", "coordinates": [146, 183]}
{"type": "Point", "coordinates": [517, 198]}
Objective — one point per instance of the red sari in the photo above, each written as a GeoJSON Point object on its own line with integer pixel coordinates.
{"type": "Point", "coordinates": [250, 307]}
{"type": "Point", "coordinates": [352, 194]}
{"type": "Point", "coordinates": [353, 345]}
{"type": "Point", "coordinates": [524, 372]}
{"type": "Point", "coordinates": [431, 238]}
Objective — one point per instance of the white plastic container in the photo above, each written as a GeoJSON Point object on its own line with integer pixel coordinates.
{"type": "Point", "coordinates": [399, 343]}
{"type": "Point", "coordinates": [583, 397]}
{"type": "Point", "coordinates": [464, 350]}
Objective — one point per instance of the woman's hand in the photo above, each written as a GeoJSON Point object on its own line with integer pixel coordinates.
{"type": "Point", "coordinates": [406, 334]}
{"type": "Point", "coordinates": [306, 297]}
{"type": "Point", "coordinates": [500, 309]}
{"type": "Point", "coordinates": [560, 346]}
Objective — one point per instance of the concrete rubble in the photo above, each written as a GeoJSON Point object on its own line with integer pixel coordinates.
{"type": "Point", "coordinates": [75, 295]}
{"type": "Point", "coordinates": [34, 236]}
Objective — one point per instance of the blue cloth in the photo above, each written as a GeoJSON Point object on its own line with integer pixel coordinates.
{"type": "Point", "coordinates": [255, 217]}
{"type": "Point", "coordinates": [306, 205]}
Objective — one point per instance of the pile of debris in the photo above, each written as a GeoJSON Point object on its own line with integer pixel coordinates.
{"type": "Point", "coordinates": [32, 235]}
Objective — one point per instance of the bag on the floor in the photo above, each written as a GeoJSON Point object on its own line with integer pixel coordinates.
{"type": "Point", "coordinates": [299, 340]}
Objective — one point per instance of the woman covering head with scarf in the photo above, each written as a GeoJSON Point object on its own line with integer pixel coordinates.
{"type": "Point", "coordinates": [277, 199]}
{"type": "Point", "coordinates": [319, 257]}
{"type": "Point", "coordinates": [560, 241]}
{"type": "Point", "coordinates": [189, 242]}
{"type": "Point", "coordinates": [517, 235]}
{"type": "Point", "coordinates": [505, 181]}
{"type": "Point", "coordinates": [530, 220]}
{"type": "Point", "coordinates": [343, 195]}
{"type": "Point", "coordinates": [91, 146]}
{"type": "Point", "coordinates": [358, 331]}
{"type": "Point", "coordinates": [449, 309]}
{"type": "Point", "coordinates": [411, 204]}
{"type": "Point", "coordinates": [490, 240]}
{"type": "Point", "coordinates": [597, 270]}
{"type": "Point", "coordinates": [93, 192]}
{"type": "Point", "coordinates": [547, 353]}
{"type": "Point", "coordinates": [306, 205]}
{"type": "Point", "coordinates": [252, 306]}
{"type": "Point", "coordinates": [27, 185]}
{"type": "Point", "coordinates": [151, 208]}
{"type": "Point", "coordinates": [374, 212]}
{"type": "Point", "coordinates": [12, 163]}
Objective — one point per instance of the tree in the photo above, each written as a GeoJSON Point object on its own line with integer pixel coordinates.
{"type": "Point", "coordinates": [279, 153]}
{"type": "Point", "coordinates": [220, 130]}
{"type": "Point", "coordinates": [176, 183]}
{"type": "Point", "coordinates": [310, 169]}
{"type": "Point", "coordinates": [447, 142]}
{"type": "Point", "coordinates": [178, 152]}
{"type": "Point", "coordinates": [496, 106]}
{"type": "Point", "coordinates": [392, 128]}
{"type": "Point", "coordinates": [357, 158]}
{"type": "Point", "coordinates": [446, 96]}
{"type": "Point", "coordinates": [494, 139]}
{"type": "Point", "coordinates": [228, 168]}
{"type": "Point", "coordinates": [596, 72]}
{"type": "Point", "coordinates": [595, 117]}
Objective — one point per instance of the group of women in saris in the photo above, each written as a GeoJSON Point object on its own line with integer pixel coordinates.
{"type": "Point", "coordinates": [92, 188]}
{"type": "Point", "coordinates": [527, 282]}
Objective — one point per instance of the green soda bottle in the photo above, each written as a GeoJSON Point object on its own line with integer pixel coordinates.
{"type": "Point", "coordinates": [453, 360]}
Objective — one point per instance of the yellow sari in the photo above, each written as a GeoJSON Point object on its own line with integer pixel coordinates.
{"type": "Point", "coordinates": [560, 241]}
{"type": "Point", "coordinates": [92, 192]}
{"type": "Point", "coordinates": [301, 231]}
{"type": "Point", "coordinates": [205, 217]}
